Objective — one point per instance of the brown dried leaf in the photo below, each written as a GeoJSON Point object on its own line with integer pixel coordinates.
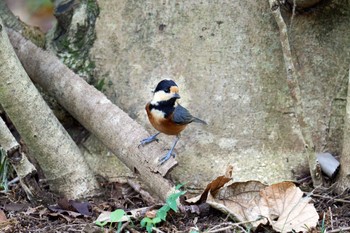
{"type": "Point", "coordinates": [213, 187]}
{"type": "Point", "coordinates": [151, 214]}
{"type": "Point", "coordinates": [240, 199]}
{"type": "Point", "coordinates": [3, 217]}
{"type": "Point", "coordinates": [72, 207]}
{"type": "Point", "coordinates": [285, 202]}
{"type": "Point", "coordinates": [282, 204]}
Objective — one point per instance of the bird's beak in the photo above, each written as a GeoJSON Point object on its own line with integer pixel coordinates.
{"type": "Point", "coordinates": [176, 96]}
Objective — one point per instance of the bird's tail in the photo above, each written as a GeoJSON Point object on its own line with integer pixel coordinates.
{"type": "Point", "coordinates": [195, 119]}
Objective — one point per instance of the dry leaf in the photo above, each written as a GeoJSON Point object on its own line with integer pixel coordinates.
{"type": "Point", "coordinates": [151, 214]}
{"type": "Point", "coordinates": [3, 217]}
{"type": "Point", "coordinates": [213, 187]}
{"type": "Point", "coordinates": [282, 204]}
{"type": "Point", "coordinates": [240, 199]}
{"type": "Point", "coordinates": [287, 208]}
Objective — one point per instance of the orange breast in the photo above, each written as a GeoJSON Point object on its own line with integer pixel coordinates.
{"type": "Point", "coordinates": [164, 125]}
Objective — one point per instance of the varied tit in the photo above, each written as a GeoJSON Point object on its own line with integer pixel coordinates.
{"type": "Point", "coordinates": [166, 115]}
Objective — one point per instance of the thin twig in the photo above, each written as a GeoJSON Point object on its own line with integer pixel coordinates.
{"type": "Point", "coordinates": [331, 198]}
{"type": "Point", "coordinates": [221, 227]}
{"type": "Point", "coordinates": [331, 217]}
{"type": "Point", "coordinates": [295, 93]}
{"type": "Point", "coordinates": [145, 195]}
{"type": "Point", "coordinates": [293, 14]}
{"type": "Point", "coordinates": [124, 225]}
{"type": "Point", "coordinates": [157, 230]}
{"type": "Point", "coordinates": [339, 230]}
{"type": "Point", "coordinates": [13, 181]}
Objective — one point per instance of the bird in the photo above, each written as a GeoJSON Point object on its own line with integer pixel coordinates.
{"type": "Point", "coordinates": [166, 115]}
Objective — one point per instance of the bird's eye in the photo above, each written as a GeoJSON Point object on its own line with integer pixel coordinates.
{"type": "Point", "coordinates": [167, 90]}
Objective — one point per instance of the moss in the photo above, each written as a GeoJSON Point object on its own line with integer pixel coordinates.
{"type": "Point", "coordinates": [74, 44]}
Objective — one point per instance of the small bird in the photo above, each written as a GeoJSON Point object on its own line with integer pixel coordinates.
{"type": "Point", "coordinates": [167, 115]}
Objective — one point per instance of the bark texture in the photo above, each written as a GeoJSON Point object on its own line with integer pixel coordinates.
{"type": "Point", "coordinates": [25, 170]}
{"type": "Point", "coordinates": [59, 157]}
{"type": "Point", "coordinates": [96, 113]}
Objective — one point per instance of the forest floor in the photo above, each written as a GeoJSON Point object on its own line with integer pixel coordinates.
{"type": "Point", "coordinates": [19, 215]}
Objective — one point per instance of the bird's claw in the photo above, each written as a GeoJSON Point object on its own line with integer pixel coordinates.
{"type": "Point", "coordinates": [165, 158]}
{"type": "Point", "coordinates": [149, 140]}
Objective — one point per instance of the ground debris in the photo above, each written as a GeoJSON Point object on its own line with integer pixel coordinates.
{"type": "Point", "coordinates": [21, 216]}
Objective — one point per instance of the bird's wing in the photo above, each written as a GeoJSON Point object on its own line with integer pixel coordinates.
{"type": "Point", "coordinates": [182, 115]}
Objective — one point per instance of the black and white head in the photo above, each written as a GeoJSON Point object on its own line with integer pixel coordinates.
{"type": "Point", "coordinates": [166, 91]}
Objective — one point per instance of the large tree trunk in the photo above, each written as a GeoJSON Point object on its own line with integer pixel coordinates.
{"type": "Point", "coordinates": [96, 113]}
{"type": "Point", "coordinates": [59, 157]}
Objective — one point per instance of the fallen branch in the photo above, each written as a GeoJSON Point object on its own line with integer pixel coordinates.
{"type": "Point", "coordinates": [58, 156]}
{"type": "Point", "coordinates": [294, 89]}
{"type": "Point", "coordinates": [116, 130]}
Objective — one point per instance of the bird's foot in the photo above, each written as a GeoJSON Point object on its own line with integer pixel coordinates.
{"type": "Point", "coordinates": [166, 157]}
{"type": "Point", "coordinates": [149, 140]}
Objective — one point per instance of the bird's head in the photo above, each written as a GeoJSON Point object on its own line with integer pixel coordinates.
{"type": "Point", "coordinates": [166, 90]}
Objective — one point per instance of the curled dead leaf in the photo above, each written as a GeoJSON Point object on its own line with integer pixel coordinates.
{"type": "Point", "coordinates": [287, 209]}
{"type": "Point", "coordinates": [282, 204]}
{"type": "Point", "coordinates": [241, 200]}
{"type": "Point", "coordinates": [213, 187]}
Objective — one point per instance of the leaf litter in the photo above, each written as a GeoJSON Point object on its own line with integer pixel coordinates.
{"type": "Point", "coordinates": [277, 208]}
{"type": "Point", "coordinates": [282, 205]}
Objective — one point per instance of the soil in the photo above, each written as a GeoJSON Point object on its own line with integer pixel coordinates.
{"type": "Point", "coordinates": [17, 214]}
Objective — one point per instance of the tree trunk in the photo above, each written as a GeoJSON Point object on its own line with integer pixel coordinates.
{"type": "Point", "coordinates": [58, 156]}
{"type": "Point", "coordinates": [96, 113]}
{"type": "Point", "coordinates": [344, 175]}
{"type": "Point", "coordinates": [25, 171]}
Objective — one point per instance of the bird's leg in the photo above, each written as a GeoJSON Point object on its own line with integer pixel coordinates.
{"type": "Point", "coordinates": [170, 152]}
{"type": "Point", "coordinates": [149, 139]}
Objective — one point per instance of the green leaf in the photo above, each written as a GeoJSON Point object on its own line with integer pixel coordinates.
{"type": "Point", "coordinates": [101, 224]}
{"type": "Point", "coordinates": [149, 227]}
{"type": "Point", "coordinates": [117, 215]}
{"type": "Point", "coordinates": [145, 221]}
{"type": "Point", "coordinates": [171, 200]}
{"type": "Point", "coordinates": [177, 187]}
{"type": "Point", "coordinates": [99, 86]}
{"type": "Point", "coordinates": [119, 227]}
{"type": "Point", "coordinates": [172, 204]}
{"type": "Point", "coordinates": [156, 220]}
{"type": "Point", "coordinates": [176, 195]}
{"type": "Point", "coordinates": [162, 212]}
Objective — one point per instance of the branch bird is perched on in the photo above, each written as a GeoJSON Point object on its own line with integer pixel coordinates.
{"type": "Point", "coordinates": [166, 115]}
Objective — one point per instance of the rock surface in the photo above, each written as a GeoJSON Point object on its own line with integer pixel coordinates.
{"type": "Point", "coordinates": [228, 64]}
